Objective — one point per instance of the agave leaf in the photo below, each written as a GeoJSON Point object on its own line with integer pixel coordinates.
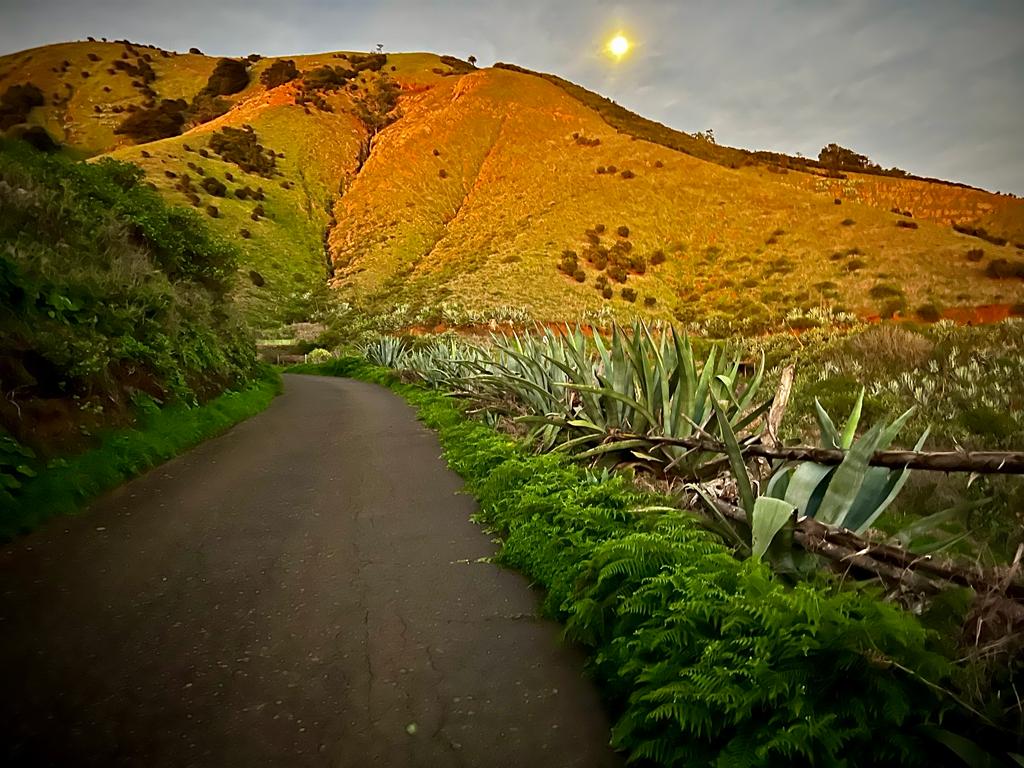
{"type": "Point", "coordinates": [739, 467]}
{"type": "Point", "coordinates": [753, 386]}
{"type": "Point", "coordinates": [807, 486]}
{"type": "Point", "coordinates": [728, 526]}
{"type": "Point", "coordinates": [618, 445]}
{"type": "Point", "coordinates": [778, 483]}
{"type": "Point", "coordinates": [850, 430]}
{"type": "Point", "coordinates": [766, 520]}
{"type": "Point", "coordinates": [880, 488]}
{"type": "Point", "coordinates": [848, 479]}
{"type": "Point", "coordinates": [611, 393]}
{"type": "Point", "coordinates": [829, 433]}
{"type": "Point", "coordinates": [890, 432]}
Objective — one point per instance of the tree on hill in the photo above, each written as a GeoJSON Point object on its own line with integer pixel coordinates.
{"type": "Point", "coordinates": [16, 102]}
{"type": "Point", "coordinates": [280, 72]}
{"type": "Point", "coordinates": [835, 156]}
{"type": "Point", "coordinates": [161, 122]}
{"type": "Point", "coordinates": [228, 77]}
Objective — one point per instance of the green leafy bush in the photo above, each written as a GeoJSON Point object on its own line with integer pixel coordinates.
{"type": "Point", "coordinates": [106, 290]}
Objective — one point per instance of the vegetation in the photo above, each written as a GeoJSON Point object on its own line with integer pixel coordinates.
{"type": "Point", "coordinates": [106, 296]}
{"type": "Point", "coordinates": [708, 660]}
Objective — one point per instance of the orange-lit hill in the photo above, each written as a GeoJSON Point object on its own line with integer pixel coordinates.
{"type": "Point", "coordinates": [484, 178]}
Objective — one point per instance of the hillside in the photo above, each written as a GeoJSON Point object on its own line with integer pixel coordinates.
{"type": "Point", "coordinates": [499, 187]}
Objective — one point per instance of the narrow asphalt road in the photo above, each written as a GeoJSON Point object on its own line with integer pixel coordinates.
{"type": "Point", "coordinates": [304, 590]}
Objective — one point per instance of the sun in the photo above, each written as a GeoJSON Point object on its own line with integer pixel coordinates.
{"type": "Point", "coordinates": [619, 46]}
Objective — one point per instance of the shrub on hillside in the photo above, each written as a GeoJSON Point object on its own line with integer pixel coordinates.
{"type": "Point", "coordinates": [206, 107]}
{"type": "Point", "coordinates": [212, 211]}
{"type": "Point", "coordinates": [458, 65]}
{"type": "Point", "coordinates": [650, 301]}
{"type": "Point", "coordinates": [278, 73]}
{"type": "Point", "coordinates": [372, 62]}
{"type": "Point", "coordinates": [16, 103]}
{"type": "Point", "coordinates": [627, 174]}
{"type": "Point", "coordinates": [161, 122]}
{"type": "Point", "coordinates": [975, 254]}
{"type": "Point", "coordinates": [214, 186]}
{"type": "Point", "coordinates": [241, 147]}
{"type": "Point", "coordinates": [658, 257]}
{"type": "Point", "coordinates": [929, 313]}
{"type": "Point", "coordinates": [906, 224]}
{"type": "Point", "coordinates": [622, 231]}
{"type": "Point", "coordinates": [979, 232]}
{"type": "Point", "coordinates": [229, 76]}
{"type": "Point", "coordinates": [1003, 268]}
{"type": "Point", "coordinates": [607, 292]}
{"type": "Point", "coordinates": [629, 294]}
{"type": "Point", "coordinates": [256, 278]}
{"type": "Point", "coordinates": [326, 78]}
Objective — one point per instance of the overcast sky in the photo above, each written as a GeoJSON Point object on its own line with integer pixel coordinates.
{"type": "Point", "coordinates": [933, 86]}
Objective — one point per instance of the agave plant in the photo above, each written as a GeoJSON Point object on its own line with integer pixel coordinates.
{"type": "Point", "coordinates": [595, 398]}
{"type": "Point", "coordinates": [385, 351]}
{"type": "Point", "coordinates": [851, 495]}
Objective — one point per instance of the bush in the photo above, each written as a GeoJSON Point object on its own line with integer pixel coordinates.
{"type": "Point", "coordinates": [882, 291]}
{"type": "Point", "coordinates": [16, 103]}
{"type": "Point", "coordinates": [658, 257]}
{"type": "Point", "coordinates": [975, 254]}
{"type": "Point", "coordinates": [258, 213]}
{"type": "Point", "coordinates": [979, 232]}
{"type": "Point", "coordinates": [650, 301]}
{"type": "Point", "coordinates": [195, 51]}
{"type": "Point", "coordinates": [256, 278]}
{"type": "Point", "coordinates": [622, 231]}
{"type": "Point", "coordinates": [229, 76]}
{"type": "Point", "coordinates": [659, 164]}
{"type": "Point", "coordinates": [607, 292]}
{"type": "Point", "coordinates": [848, 222]}
{"type": "Point", "coordinates": [278, 73]}
{"type": "Point", "coordinates": [245, 233]}
{"type": "Point", "coordinates": [627, 174]}
{"type": "Point", "coordinates": [600, 169]}
{"type": "Point", "coordinates": [838, 201]}
{"type": "Point", "coordinates": [241, 147]}
{"type": "Point", "coordinates": [161, 122]}
{"type": "Point", "coordinates": [629, 294]}
{"type": "Point", "coordinates": [443, 174]}
{"type": "Point", "coordinates": [212, 211]}
{"type": "Point", "coordinates": [906, 224]}
{"type": "Point", "coordinates": [70, 324]}
{"type": "Point", "coordinates": [214, 186]}
{"type": "Point", "coordinates": [373, 62]}
{"type": "Point", "coordinates": [929, 313]}
{"type": "Point", "coordinates": [35, 136]}
{"type": "Point", "coordinates": [1002, 268]}
{"type": "Point", "coordinates": [579, 276]}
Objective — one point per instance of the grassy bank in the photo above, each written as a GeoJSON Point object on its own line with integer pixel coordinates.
{"type": "Point", "coordinates": [706, 660]}
{"type": "Point", "coordinates": [67, 485]}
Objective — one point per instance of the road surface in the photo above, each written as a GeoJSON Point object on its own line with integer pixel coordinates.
{"type": "Point", "coordinates": [305, 590]}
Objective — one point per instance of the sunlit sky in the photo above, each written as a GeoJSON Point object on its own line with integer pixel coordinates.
{"type": "Point", "coordinates": [932, 86]}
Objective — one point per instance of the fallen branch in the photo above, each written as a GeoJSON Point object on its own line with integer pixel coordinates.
{"type": "Point", "coordinates": [980, 462]}
{"type": "Point", "coordinates": [922, 573]}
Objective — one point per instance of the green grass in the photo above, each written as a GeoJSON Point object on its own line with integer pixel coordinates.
{"type": "Point", "coordinates": [67, 485]}
{"type": "Point", "coordinates": [705, 660]}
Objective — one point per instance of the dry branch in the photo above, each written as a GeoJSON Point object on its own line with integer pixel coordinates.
{"type": "Point", "coordinates": [980, 462]}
